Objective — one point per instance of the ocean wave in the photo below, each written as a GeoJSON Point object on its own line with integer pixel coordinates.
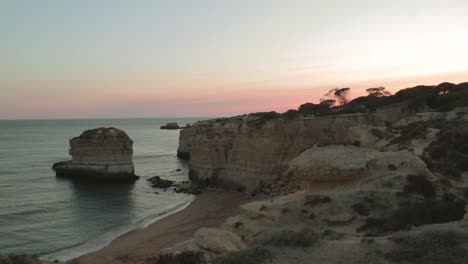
{"type": "Point", "coordinates": [105, 239]}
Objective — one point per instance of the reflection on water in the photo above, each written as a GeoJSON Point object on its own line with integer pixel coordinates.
{"type": "Point", "coordinates": [40, 213]}
{"type": "Point", "coordinates": [111, 199]}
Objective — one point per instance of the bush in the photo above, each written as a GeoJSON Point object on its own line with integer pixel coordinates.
{"type": "Point", "coordinates": [448, 152]}
{"type": "Point", "coordinates": [291, 114]}
{"type": "Point", "coordinates": [302, 238]}
{"type": "Point", "coordinates": [378, 133]}
{"type": "Point", "coordinates": [186, 257]}
{"type": "Point", "coordinates": [429, 248]}
{"type": "Point", "coordinates": [266, 115]}
{"type": "Point", "coordinates": [361, 208]}
{"type": "Point", "coordinates": [420, 185]}
{"type": "Point", "coordinates": [255, 255]}
{"type": "Point", "coordinates": [415, 214]}
{"type": "Point", "coordinates": [19, 259]}
{"type": "Point", "coordinates": [313, 200]}
{"type": "Point", "coordinates": [416, 130]}
{"type": "Point", "coordinates": [262, 118]}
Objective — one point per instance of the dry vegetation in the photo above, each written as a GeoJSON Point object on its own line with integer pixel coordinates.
{"type": "Point", "coordinates": [19, 259]}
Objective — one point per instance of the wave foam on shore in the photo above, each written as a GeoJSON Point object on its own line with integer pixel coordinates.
{"type": "Point", "coordinates": [105, 239]}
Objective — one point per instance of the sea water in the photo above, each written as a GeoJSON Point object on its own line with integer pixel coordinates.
{"type": "Point", "coordinates": [62, 219]}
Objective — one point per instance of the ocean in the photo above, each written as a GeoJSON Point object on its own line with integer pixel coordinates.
{"type": "Point", "coordinates": [61, 219]}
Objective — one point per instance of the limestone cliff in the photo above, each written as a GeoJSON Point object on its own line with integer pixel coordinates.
{"type": "Point", "coordinates": [99, 154]}
{"type": "Point", "coordinates": [247, 151]}
{"type": "Point", "coordinates": [241, 152]}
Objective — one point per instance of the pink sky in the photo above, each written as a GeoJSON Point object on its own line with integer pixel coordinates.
{"type": "Point", "coordinates": [88, 59]}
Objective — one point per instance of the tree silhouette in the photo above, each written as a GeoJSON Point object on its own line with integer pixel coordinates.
{"type": "Point", "coordinates": [340, 95]}
{"type": "Point", "coordinates": [327, 102]}
{"type": "Point", "coordinates": [378, 92]}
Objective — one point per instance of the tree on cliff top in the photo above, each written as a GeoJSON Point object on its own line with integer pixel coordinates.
{"type": "Point", "coordinates": [378, 92]}
{"type": "Point", "coordinates": [339, 94]}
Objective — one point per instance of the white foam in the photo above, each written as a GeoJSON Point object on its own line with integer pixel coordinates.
{"type": "Point", "coordinates": [105, 239]}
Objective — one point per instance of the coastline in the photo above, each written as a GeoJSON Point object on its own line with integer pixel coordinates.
{"type": "Point", "coordinates": [104, 240]}
{"type": "Point", "coordinates": [211, 208]}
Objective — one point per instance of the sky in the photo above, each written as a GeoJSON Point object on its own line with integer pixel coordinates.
{"type": "Point", "coordinates": [175, 58]}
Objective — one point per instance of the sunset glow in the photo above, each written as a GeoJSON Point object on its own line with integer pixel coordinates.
{"type": "Point", "coordinates": [86, 59]}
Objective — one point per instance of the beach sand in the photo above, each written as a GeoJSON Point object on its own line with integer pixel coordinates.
{"type": "Point", "coordinates": [209, 209]}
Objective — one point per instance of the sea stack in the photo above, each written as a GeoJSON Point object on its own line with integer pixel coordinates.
{"type": "Point", "coordinates": [100, 154]}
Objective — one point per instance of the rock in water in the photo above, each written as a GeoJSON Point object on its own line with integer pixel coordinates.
{"type": "Point", "coordinates": [102, 154]}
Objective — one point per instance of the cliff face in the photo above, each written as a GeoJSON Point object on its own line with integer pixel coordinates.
{"type": "Point", "coordinates": [99, 154]}
{"type": "Point", "coordinates": [102, 146]}
{"type": "Point", "coordinates": [244, 151]}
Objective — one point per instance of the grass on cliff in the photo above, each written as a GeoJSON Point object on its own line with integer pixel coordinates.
{"type": "Point", "coordinates": [19, 259]}
{"type": "Point", "coordinates": [429, 248]}
{"type": "Point", "coordinates": [419, 185]}
{"type": "Point", "coordinates": [415, 214]}
{"type": "Point", "coordinates": [422, 209]}
{"type": "Point", "coordinates": [302, 238]}
{"type": "Point", "coordinates": [316, 199]}
{"type": "Point", "coordinates": [449, 153]}
{"type": "Point", "coordinates": [254, 255]}
{"type": "Point", "coordinates": [186, 257]}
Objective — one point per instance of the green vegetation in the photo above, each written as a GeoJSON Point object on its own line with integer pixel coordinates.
{"type": "Point", "coordinates": [19, 259]}
{"type": "Point", "coordinates": [415, 214]}
{"type": "Point", "coordinates": [303, 238]}
{"type": "Point", "coordinates": [443, 97]}
{"type": "Point", "coordinates": [316, 199]}
{"type": "Point", "coordinates": [255, 255]}
{"type": "Point", "coordinates": [419, 185]}
{"type": "Point", "coordinates": [429, 248]}
{"type": "Point", "coordinates": [448, 154]}
{"type": "Point", "coordinates": [186, 257]}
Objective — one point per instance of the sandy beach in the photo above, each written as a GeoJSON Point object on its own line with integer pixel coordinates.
{"type": "Point", "coordinates": [209, 209]}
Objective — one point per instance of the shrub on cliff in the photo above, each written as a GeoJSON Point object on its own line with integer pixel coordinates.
{"type": "Point", "coordinates": [429, 247]}
{"type": "Point", "coordinates": [316, 199]}
{"type": "Point", "coordinates": [19, 259]}
{"type": "Point", "coordinates": [262, 117]}
{"type": "Point", "coordinates": [419, 185]}
{"type": "Point", "coordinates": [291, 114]}
{"type": "Point", "coordinates": [415, 214]}
{"type": "Point", "coordinates": [448, 152]}
{"type": "Point", "coordinates": [303, 238]}
{"type": "Point", "coordinates": [254, 255]}
{"type": "Point", "coordinates": [310, 109]}
{"type": "Point", "coordinates": [186, 257]}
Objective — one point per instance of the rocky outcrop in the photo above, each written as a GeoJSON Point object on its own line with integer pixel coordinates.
{"type": "Point", "coordinates": [160, 183]}
{"type": "Point", "coordinates": [170, 126]}
{"type": "Point", "coordinates": [217, 240]}
{"type": "Point", "coordinates": [341, 164]}
{"type": "Point", "coordinates": [246, 151]}
{"type": "Point", "coordinates": [103, 154]}
{"type": "Point", "coordinates": [242, 151]}
{"type": "Point", "coordinates": [183, 151]}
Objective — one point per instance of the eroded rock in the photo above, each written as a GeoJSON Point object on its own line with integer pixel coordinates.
{"type": "Point", "coordinates": [218, 240]}
{"type": "Point", "coordinates": [102, 154]}
{"type": "Point", "coordinates": [160, 183]}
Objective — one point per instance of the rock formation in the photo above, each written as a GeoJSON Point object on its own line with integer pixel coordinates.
{"type": "Point", "coordinates": [245, 151]}
{"type": "Point", "coordinates": [240, 152]}
{"type": "Point", "coordinates": [170, 126]}
{"type": "Point", "coordinates": [183, 151]}
{"type": "Point", "coordinates": [103, 154]}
